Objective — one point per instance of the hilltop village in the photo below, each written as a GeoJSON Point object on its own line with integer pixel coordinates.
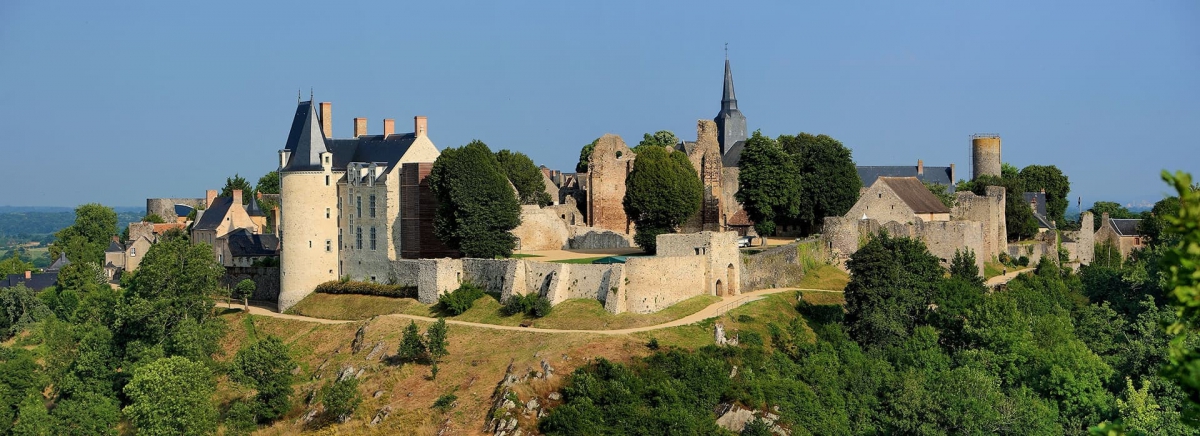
{"type": "Point", "coordinates": [733, 283]}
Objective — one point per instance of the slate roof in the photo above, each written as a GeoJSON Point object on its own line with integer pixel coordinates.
{"type": "Point", "coordinates": [1038, 201]}
{"type": "Point", "coordinates": [36, 282]}
{"type": "Point", "coordinates": [243, 243]}
{"type": "Point", "coordinates": [914, 193]}
{"type": "Point", "coordinates": [1125, 227]}
{"type": "Point", "coordinates": [733, 154]}
{"type": "Point", "coordinates": [183, 210]}
{"type": "Point", "coordinates": [939, 175]}
{"type": "Point", "coordinates": [214, 214]}
{"type": "Point", "coordinates": [59, 263]}
{"type": "Point", "coordinates": [114, 247]}
{"type": "Point", "coordinates": [306, 142]}
{"type": "Point", "coordinates": [253, 209]}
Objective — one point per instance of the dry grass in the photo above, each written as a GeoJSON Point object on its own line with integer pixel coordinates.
{"type": "Point", "coordinates": [825, 276]}
{"type": "Point", "coordinates": [350, 307]}
{"type": "Point", "coordinates": [821, 298]}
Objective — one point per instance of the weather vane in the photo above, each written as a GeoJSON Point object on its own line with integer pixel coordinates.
{"type": "Point", "coordinates": [727, 51]}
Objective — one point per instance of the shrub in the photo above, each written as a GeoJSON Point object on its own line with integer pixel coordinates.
{"type": "Point", "coordinates": [1004, 258]}
{"type": "Point", "coordinates": [750, 338]}
{"type": "Point", "coordinates": [745, 318]}
{"type": "Point", "coordinates": [341, 398]}
{"type": "Point", "coordinates": [346, 286]}
{"type": "Point", "coordinates": [460, 300]}
{"type": "Point", "coordinates": [1023, 261]}
{"type": "Point", "coordinates": [241, 417]}
{"type": "Point", "coordinates": [533, 305]}
{"type": "Point", "coordinates": [445, 402]}
{"type": "Point", "coordinates": [653, 344]}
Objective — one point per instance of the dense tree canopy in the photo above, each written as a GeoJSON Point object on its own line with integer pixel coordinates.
{"type": "Point", "coordinates": [585, 154]}
{"type": "Point", "coordinates": [893, 281]}
{"type": "Point", "coordinates": [1114, 210]}
{"type": "Point", "coordinates": [476, 204]}
{"type": "Point", "coordinates": [172, 396]}
{"type": "Point", "coordinates": [237, 182]}
{"type": "Point", "coordinates": [831, 182]}
{"type": "Point", "coordinates": [1050, 178]}
{"type": "Point", "coordinates": [661, 192]}
{"type": "Point", "coordinates": [89, 236]}
{"type": "Point", "coordinates": [1181, 264]}
{"type": "Point", "coordinates": [661, 138]}
{"type": "Point", "coordinates": [266, 366]}
{"type": "Point", "coordinates": [525, 176]}
{"type": "Point", "coordinates": [268, 183]}
{"type": "Point", "coordinates": [769, 184]}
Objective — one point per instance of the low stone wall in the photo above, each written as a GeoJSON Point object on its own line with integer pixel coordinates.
{"type": "Point", "coordinates": [404, 272]}
{"type": "Point", "coordinates": [541, 229]}
{"type": "Point", "coordinates": [776, 267]}
{"type": "Point", "coordinates": [655, 283]}
{"type": "Point", "coordinates": [591, 238]}
{"type": "Point", "coordinates": [266, 281]}
{"type": "Point", "coordinates": [1034, 251]}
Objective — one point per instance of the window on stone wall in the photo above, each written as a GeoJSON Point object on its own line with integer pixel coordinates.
{"type": "Point", "coordinates": [358, 238]}
{"type": "Point", "coordinates": [328, 245]}
{"type": "Point", "coordinates": [327, 213]}
{"type": "Point", "coordinates": [132, 252]}
{"type": "Point", "coordinates": [372, 238]}
{"type": "Point", "coordinates": [372, 205]}
{"type": "Point", "coordinates": [326, 180]}
{"type": "Point", "coordinates": [359, 207]}
{"type": "Point", "coordinates": [340, 239]}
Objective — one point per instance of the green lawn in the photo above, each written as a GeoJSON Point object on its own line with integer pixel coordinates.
{"type": "Point", "coordinates": [992, 269]}
{"type": "Point", "coordinates": [825, 276]}
{"type": "Point", "coordinates": [778, 309]}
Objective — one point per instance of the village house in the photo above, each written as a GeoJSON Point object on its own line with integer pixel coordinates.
{"type": "Point", "coordinates": [1121, 233]}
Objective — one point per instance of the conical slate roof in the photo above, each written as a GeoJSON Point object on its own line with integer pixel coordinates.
{"type": "Point", "coordinates": [728, 99]}
{"type": "Point", "coordinates": [306, 141]}
{"type": "Point", "coordinates": [731, 124]}
{"type": "Point", "coordinates": [253, 209]}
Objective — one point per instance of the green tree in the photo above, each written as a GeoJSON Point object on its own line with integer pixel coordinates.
{"type": "Point", "coordinates": [268, 183]}
{"type": "Point", "coordinates": [769, 184]}
{"type": "Point", "coordinates": [32, 417]}
{"type": "Point", "coordinates": [585, 155]}
{"type": "Point", "coordinates": [892, 282]}
{"type": "Point", "coordinates": [1050, 178]}
{"type": "Point", "coordinates": [661, 138]}
{"type": "Point", "coordinates": [412, 347]}
{"type": "Point", "coordinates": [661, 192]}
{"type": "Point", "coordinates": [435, 340]}
{"type": "Point", "coordinates": [1181, 264]}
{"type": "Point", "coordinates": [172, 396]}
{"type": "Point", "coordinates": [831, 182]}
{"type": "Point", "coordinates": [525, 176]}
{"type": "Point", "coordinates": [476, 205]}
{"type": "Point", "coordinates": [88, 414]}
{"type": "Point", "coordinates": [243, 290]}
{"type": "Point", "coordinates": [154, 218]}
{"type": "Point", "coordinates": [1153, 224]}
{"type": "Point", "coordinates": [1018, 215]}
{"type": "Point", "coordinates": [14, 265]}
{"type": "Point", "coordinates": [237, 182]}
{"type": "Point", "coordinates": [89, 236]}
{"type": "Point", "coordinates": [939, 190]}
{"type": "Point", "coordinates": [963, 267]}
{"type": "Point", "coordinates": [341, 398]}
{"type": "Point", "coordinates": [266, 366]}
{"type": "Point", "coordinates": [1114, 210]}
{"type": "Point", "coordinates": [19, 308]}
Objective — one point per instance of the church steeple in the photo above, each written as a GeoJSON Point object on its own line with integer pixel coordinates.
{"type": "Point", "coordinates": [731, 124]}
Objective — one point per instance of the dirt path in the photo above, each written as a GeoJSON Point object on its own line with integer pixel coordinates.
{"type": "Point", "coordinates": [716, 309]}
{"type": "Point", "coordinates": [1005, 278]}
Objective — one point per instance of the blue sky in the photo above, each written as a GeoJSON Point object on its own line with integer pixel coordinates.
{"type": "Point", "coordinates": [114, 103]}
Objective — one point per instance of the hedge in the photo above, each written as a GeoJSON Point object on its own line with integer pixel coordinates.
{"type": "Point", "coordinates": [367, 288]}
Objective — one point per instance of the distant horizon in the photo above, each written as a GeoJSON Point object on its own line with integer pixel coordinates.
{"type": "Point", "coordinates": [177, 97]}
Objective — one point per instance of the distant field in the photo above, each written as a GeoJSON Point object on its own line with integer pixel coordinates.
{"type": "Point", "coordinates": [23, 226]}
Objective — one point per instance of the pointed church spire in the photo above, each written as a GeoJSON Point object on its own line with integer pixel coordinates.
{"type": "Point", "coordinates": [728, 99]}
{"type": "Point", "coordinates": [731, 124]}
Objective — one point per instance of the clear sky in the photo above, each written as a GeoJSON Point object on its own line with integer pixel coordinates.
{"type": "Point", "coordinates": [115, 102]}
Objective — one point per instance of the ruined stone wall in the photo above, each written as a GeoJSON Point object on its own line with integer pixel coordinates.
{"type": "Point", "coordinates": [541, 229]}
{"type": "Point", "coordinates": [1086, 239]}
{"type": "Point", "coordinates": [165, 207]}
{"type": "Point", "coordinates": [437, 277]}
{"type": "Point", "coordinates": [776, 267]}
{"type": "Point", "coordinates": [988, 210]}
{"type": "Point", "coordinates": [591, 238]}
{"type": "Point", "coordinates": [568, 212]}
{"type": "Point", "coordinates": [404, 272]}
{"type": "Point", "coordinates": [1034, 251]}
{"type": "Point", "coordinates": [502, 277]}
{"type": "Point", "coordinates": [729, 187]}
{"type": "Point", "coordinates": [723, 262]}
{"type": "Point", "coordinates": [655, 283]}
{"type": "Point", "coordinates": [266, 281]}
{"type": "Point", "coordinates": [608, 167]}
{"type": "Point", "coordinates": [844, 236]}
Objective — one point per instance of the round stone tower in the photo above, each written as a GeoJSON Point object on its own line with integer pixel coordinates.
{"type": "Point", "coordinates": [985, 155]}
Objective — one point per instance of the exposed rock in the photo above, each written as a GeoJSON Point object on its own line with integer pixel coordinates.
{"type": "Point", "coordinates": [512, 423]}
{"type": "Point", "coordinates": [377, 394]}
{"type": "Point", "coordinates": [381, 415]}
{"type": "Point", "coordinates": [360, 373]}
{"type": "Point", "coordinates": [508, 404]}
{"type": "Point", "coordinates": [376, 351]}
{"type": "Point", "coordinates": [547, 370]}
{"type": "Point", "coordinates": [308, 417]}
{"type": "Point", "coordinates": [554, 396]}
{"type": "Point", "coordinates": [733, 373]}
{"type": "Point", "coordinates": [532, 404]}
{"type": "Point", "coordinates": [296, 370]}
{"type": "Point", "coordinates": [359, 336]}
{"type": "Point", "coordinates": [346, 373]}
{"type": "Point", "coordinates": [735, 419]}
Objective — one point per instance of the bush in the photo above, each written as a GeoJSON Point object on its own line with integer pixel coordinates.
{"type": "Point", "coordinates": [1023, 261]}
{"type": "Point", "coordinates": [460, 300]}
{"type": "Point", "coordinates": [241, 418]}
{"type": "Point", "coordinates": [533, 305]}
{"type": "Point", "coordinates": [445, 402]}
{"type": "Point", "coordinates": [653, 344]}
{"type": "Point", "coordinates": [341, 398]}
{"type": "Point", "coordinates": [745, 318]}
{"type": "Point", "coordinates": [750, 338]}
{"type": "Point", "coordinates": [1004, 258]}
{"type": "Point", "coordinates": [346, 286]}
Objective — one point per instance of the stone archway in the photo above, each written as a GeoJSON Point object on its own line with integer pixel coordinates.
{"type": "Point", "coordinates": [720, 288]}
{"type": "Point", "coordinates": [729, 277]}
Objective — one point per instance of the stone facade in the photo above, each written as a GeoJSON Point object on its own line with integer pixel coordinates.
{"type": "Point", "coordinates": [988, 210]}
{"type": "Point", "coordinates": [266, 281]}
{"type": "Point", "coordinates": [608, 167]}
{"type": "Point", "coordinates": [985, 155]}
{"type": "Point", "coordinates": [165, 207]}
{"type": "Point", "coordinates": [541, 229]}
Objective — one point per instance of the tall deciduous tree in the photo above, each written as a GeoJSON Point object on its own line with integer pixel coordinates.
{"type": "Point", "coordinates": [585, 154]}
{"type": "Point", "coordinates": [268, 183]}
{"type": "Point", "coordinates": [237, 182]}
{"type": "Point", "coordinates": [476, 204]}
{"type": "Point", "coordinates": [89, 236]}
{"type": "Point", "coordinates": [266, 366]}
{"type": "Point", "coordinates": [172, 396]}
{"type": "Point", "coordinates": [769, 184]}
{"type": "Point", "coordinates": [892, 282]}
{"type": "Point", "coordinates": [661, 138]}
{"type": "Point", "coordinates": [525, 176]}
{"type": "Point", "coordinates": [1049, 177]}
{"type": "Point", "coordinates": [661, 192]}
{"type": "Point", "coordinates": [1113, 209]}
{"type": "Point", "coordinates": [831, 182]}
{"type": "Point", "coordinates": [1181, 263]}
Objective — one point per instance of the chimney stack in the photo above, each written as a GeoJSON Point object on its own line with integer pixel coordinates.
{"type": "Point", "coordinates": [327, 119]}
{"type": "Point", "coordinates": [952, 179]}
{"type": "Point", "coordinates": [389, 127]}
{"type": "Point", "coordinates": [275, 217]}
{"type": "Point", "coordinates": [360, 126]}
{"type": "Point", "coordinates": [920, 167]}
{"type": "Point", "coordinates": [209, 196]}
{"type": "Point", "coordinates": [420, 125]}
{"type": "Point", "coordinates": [28, 274]}
{"type": "Point", "coordinates": [237, 197]}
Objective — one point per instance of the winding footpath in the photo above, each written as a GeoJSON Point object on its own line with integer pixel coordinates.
{"type": "Point", "coordinates": [718, 308]}
{"type": "Point", "coordinates": [1005, 278]}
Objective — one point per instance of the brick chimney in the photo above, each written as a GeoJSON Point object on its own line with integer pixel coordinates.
{"type": "Point", "coordinates": [237, 196]}
{"type": "Point", "coordinates": [327, 119]}
{"type": "Point", "coordinates": [28, 274]}
{"type": "Point", "coordinates": [920, 167]}
{"type": "Point", "coordinates": [209, 196]}
{"type": "Point", "coordinates": [389, 127]}
{"type": "Point", "coordinates": [360, 126]}
{"type": "Point", "coordinates": [420, 125]}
